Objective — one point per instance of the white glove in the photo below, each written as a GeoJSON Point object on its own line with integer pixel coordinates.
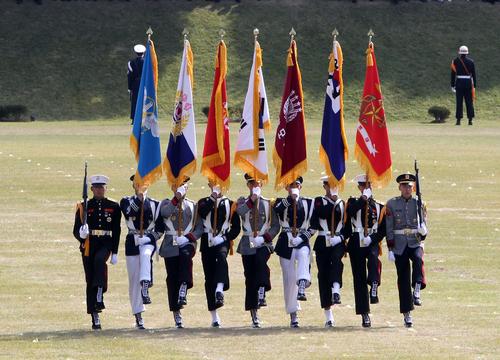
{"type": "Point", "coordinates": [422, 229]}
{"type": "Point", "coordinates": [296, 241]}
{"type": "Point", "coordinates": [182, 190]}
{"type": "Point", "coordinates": [217, 240]}
{"type": "Point", "coordinates": [257, 191]}
{"type": "Point", "coordinates": [453, 89]}
{"type": "Point", "coordinates": [181, 240]}
{"type": "Point", "coordinates": [295, 192]}
{"type": "Point", "coordinates": [391, 256]}
{"type": "Point", "coordinates": [114, 259]}
{"type": "Point", "coordinates": [141, 240]}
{"type": "Point", "coordinates": [84, 231]}
{"type": "Point", "coordinates": [257, 241]}
{"type": "Point", "coordinates": [334, 240]}
{"type": "Point", "coordinates": [367, 192]}
{"type": "Point", "coordinates": [367, 240]}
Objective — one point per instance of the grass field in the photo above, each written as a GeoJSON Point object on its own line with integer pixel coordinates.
{"type": "Point", "coordinates": [42, 298]}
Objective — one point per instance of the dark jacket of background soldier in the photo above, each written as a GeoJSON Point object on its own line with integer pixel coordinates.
{"type": "Point", "coordinates": [328, 258]}
{"type": "Point", "coordinates": [134, 73]}
{"type": "Point", "coordinates": [363, 258]}
{"type": "Point", "coordinates": [214, 258]}
{"type": "Point", "coordinates": [103, 219]}
{"type": "Point", "coordinates": [463, 79]}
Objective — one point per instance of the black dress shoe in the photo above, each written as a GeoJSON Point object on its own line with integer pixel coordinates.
{"type": "Point", "coordinates": [373, 299]}
{"type": "Point", "coordinates": [262, 302]}
{"type": "Point", "coordinates": [301, 297]}
{"type": "Point", "coordinates": [329, 324]}
{"type": "Point", "coordinates": [99, 306]}
{"type": "Point", "coordinates": [216, 324]}
{"type": "Point", "coordinates": [294, 324]}
{"type": "Point", "coordinates": [96, 327]}
{"type": "Point", "coordinates": [96, 322]}
{"type": "Point", "coordinates": [336, 298]}
{"type": "Point", "coordinates": [182, 301]}
{"type": "Point", "coordinates": [219, 298]}
{"type": "Point", "coordinates": [366, 322]}
{"type": "Point", "coordinates": [146, 300]}
{"type": "Point", "coordinates": [417, 301]}
{"type": "Point", "coordinates": [139, 322]}
{"type": "Point", "coordinates": [408, 320]}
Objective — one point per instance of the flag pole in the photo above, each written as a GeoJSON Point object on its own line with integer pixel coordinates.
{"type": "Point", "coordinates": [335, 33]}
{"type": "Point", "coordinates": [292, 34]}
{"type": "Point", "coordinates": [370, 34]}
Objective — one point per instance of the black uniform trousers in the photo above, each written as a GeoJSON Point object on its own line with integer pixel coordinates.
{"type": "Point", "coordinates": [179, 270]}
{"type": "Point", "coordinates": [407, 278]}
{"type": "Point", "coordinates": [330, 269]}
{"type": "Point", "coordinates": [464, 92]}
{"type": "Point", "coordinates": [363, 259]}
{"type": "Point", "coordinates": [216, 271]}
{"type": "Point", "coordinates": [257, 274]}
{"type": "Point", "coordinates": [96, 274]}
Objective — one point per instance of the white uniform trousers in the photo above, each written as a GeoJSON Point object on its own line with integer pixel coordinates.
{"type": "Point", "coordinates": [138, 268]}
{"type": "Point", "coordinates": [292, 274]}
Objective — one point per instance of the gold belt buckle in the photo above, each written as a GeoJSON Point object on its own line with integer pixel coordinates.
{"type": "Point", "coordinates": [407, 232]}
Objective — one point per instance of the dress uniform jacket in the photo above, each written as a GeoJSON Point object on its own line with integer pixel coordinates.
{"type": "Point", "coordinates": [169, 222]}
{"type": "Point", "coordinates": [267, 224]}
{"type": "Point", "coordinates": [401, 224]}
{"type": "Point", "coordinates": [131, 209]}
{"type": "Point", "coordinates": [322, 218]}
{"type": "Point", "coordinates": [284, 210]}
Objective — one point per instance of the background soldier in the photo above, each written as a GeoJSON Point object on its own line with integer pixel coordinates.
{"type": "Point", "coordinates": [140, 214]}
{"type": "Point", "coordinates": [405, 233]}
{"type": "Point", "coordinates": [260, 225]}
{"type": "Point", "coordinates": [220, 228]}
{"type": "Point", "coordinates": [294, 213]}
{"type": "Point", "coordinates": [178, 221]}
{"type": "Point", "coordinates": [134, 73]}
{"type": "Point", "coordinates": [328, 219]}
{"type": "Point", "coordinates": [365, 228]}
{"type": "Point", "coordinates": [463, 83]}
{"type": "Point", "coordinates": [99, 237]}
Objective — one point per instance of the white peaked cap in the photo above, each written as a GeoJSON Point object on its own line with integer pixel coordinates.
{"type": "Point", "coordinates": [99, 179]}
{"type": "Point", "coordinates": [140, 49]}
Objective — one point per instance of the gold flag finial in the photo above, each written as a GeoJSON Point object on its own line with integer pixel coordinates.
{"type": "Point", "coordinates": [370, 35]}
{"type": "Point", "coordinates": [149, 32]}
{"type": "Point", "coordinates": [222, 32]}
{"type": "Point", "coordinates": [255, 33]}
{"type": "Point", "coordinates": [185, 32]}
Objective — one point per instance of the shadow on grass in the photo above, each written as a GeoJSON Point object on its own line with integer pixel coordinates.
{"type": "Point", "coordinates": [176, 334]}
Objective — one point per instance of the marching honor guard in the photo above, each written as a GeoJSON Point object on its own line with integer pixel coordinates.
{"type": "Point", "coordinates": [365, 228]}
{"type": "Point", "coordinates": [178, 222]}
{"type": "Point", "coordinates": [294, 213]}
{"type": "Point", "coordinates": [260, 225]}
{"type": "Point", "coordinates": [97, 227]}
{"type": "Point", "coordinates": [220, 228]}
{"type": "Point", "coordinates": [328, 219]}
{"type": "Point", "coordinates": [140, 214]}
{"type": "Point", "coordinates": [406, 231]}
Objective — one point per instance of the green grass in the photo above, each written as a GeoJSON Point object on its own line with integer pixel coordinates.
{"type": "Point", "coordinates": [67, 60]}
{"type": "Point", "coordinates": [41, 277]}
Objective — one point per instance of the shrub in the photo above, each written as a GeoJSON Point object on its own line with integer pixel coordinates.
{"type": "Point", "coordinates": [440, 113]}
{"type": "Point", "coordinates": [12, 112]}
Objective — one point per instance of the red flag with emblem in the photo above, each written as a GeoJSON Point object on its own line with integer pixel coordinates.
{"type": "Point", "coordinates": [216, 160]}
{"type": "Point", "coordinates": [290, 155]}
{"type": "Point", "coordinates": [372, 150]}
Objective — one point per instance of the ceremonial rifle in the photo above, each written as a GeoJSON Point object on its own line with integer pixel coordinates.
{"type": "Point", "coordinates": [85, 196]}
{"type": "Point", "coordinates": [418, 194]}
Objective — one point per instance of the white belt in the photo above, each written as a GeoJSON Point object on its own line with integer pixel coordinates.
{"type": "Point", "coordinates": [324, 233]}
{"type": "Point", "coordinates": [463, 76]}
{"type": "Point", "coordinates": [173, 232]}
{"type": "Point", "coordinates": [249, 233]}
{"type": "Point", "coordinates": [405, 232]}
{"type": "Point", "coordinates": [101, 232]}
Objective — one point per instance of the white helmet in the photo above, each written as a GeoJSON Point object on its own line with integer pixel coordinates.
{"type": "Point", "coordinates": [463, 50]}
{"type": "Point", "coordinates": [140, 49]}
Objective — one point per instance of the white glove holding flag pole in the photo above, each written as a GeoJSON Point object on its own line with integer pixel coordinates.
{"type": "Point", "coordinates": [217, 240]}
{"type": "Point", "coordinates": [390, 256]}
{"type": "Point", "coordinates": [114, 259]}
{"type": "Point", "coordinates": [257, 241]}
{"type": "Point", "coordinates": [296, 241]}
{"type": "Point", "coordinates": [84, 231]}
{"type": "Point", "coordinates": [141, 240]}
{"type": "Point", "coordinates": [453, 90]}
{"type": "Point", "coordinates": [181, 240]}
{"type": "Point", "coordinates": [334, 240]}
{"type": "Point", "coordinates": [367, 240]}
{"type": "Point", "coordinates": [422, 229]}
{"type": "Point", "coordinates": [257, 191]}
{"type": "Point", "coordinates": [181, 190]}
{"type": "Point", "coordinates": [367, 192]}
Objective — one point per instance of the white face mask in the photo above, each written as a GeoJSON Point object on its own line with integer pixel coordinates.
{"type": "Point", "coordinates": [334, 192]}
{"type": "Point", "coordinates": [216, 189]}
{"type": "Point", "coordinates": [295, 191]}
{"type": "Point", "coordinates": [257, 191]}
